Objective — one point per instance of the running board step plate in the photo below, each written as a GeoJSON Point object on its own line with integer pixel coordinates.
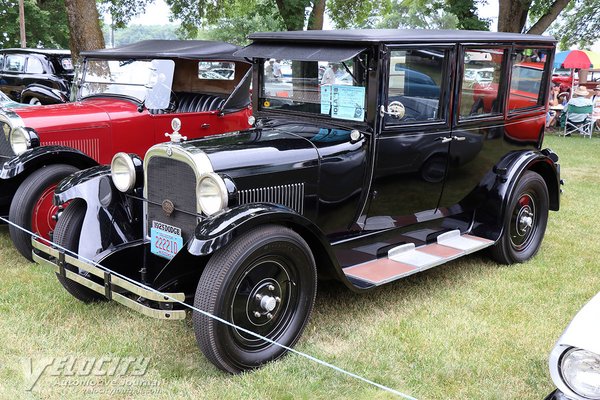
{"type": "Point", "coordinates": [406, 260]}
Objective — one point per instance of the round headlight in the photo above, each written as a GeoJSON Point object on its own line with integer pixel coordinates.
{"type": "Point", "coordinates": [122, 171]}
{"type": "Point", "coordinates": [580, 370]}
{"type": "Point", "coordinates": [20, 140]}
{"type": "Point", "coordinates": [212, 193]}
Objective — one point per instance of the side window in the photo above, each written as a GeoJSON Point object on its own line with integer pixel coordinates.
{"type": "Point", "coordinates": [526, 81]}
{"type": "Point", "coordinates": [216, 70]}
{"type": "Point", "coordinates": [1, 62]}
{"type": "Point", "coordinates": [481, 82]}
{"type": "Point", "coordinates": [15, 63]}
{"type": "Point", "coordinates": [415, 82]}
{"type": "Point", "coordinates": [34, 66]}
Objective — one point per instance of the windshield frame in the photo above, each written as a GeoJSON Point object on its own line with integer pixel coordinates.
{"type": "Point", "coordinates": [82, 80]}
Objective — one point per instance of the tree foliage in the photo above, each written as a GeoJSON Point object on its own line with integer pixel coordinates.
{"type": "Point", "coordinates": [121, 11]}
{"type": "Point", "coordinates": [45, 23]}
{"type": "Point", "coordinates": [579, 24]}
{"type": "Point", "coordinates": [136, 33]}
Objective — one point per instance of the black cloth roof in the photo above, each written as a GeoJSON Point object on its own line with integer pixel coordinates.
{"type": "Point", "coordinates": [189, 49]}
{"type": "Point", "coordinates": [302, 52]}
{"type": "Point", "coordinates": [358, 36]}
{"type": "Point", "coordinates": [59, 52]}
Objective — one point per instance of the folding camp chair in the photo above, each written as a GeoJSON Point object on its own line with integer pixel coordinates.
{"type": "Point", "coordinates": [584, 127]}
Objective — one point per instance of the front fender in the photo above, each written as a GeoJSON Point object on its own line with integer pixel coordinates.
{"type": "Point", "coordinates": [216, 232]}
{"type": "Point", "coordinates": [111, 218]}
{"type": "Point", "coordinates": [37, 157]}
{"type": "Point", "coordinates": [47, 95]}
{"type": "Point", "coordinates": [499, 185]}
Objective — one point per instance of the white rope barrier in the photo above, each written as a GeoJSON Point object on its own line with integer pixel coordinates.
{"type": "Point", "coordinates": [191, 307]}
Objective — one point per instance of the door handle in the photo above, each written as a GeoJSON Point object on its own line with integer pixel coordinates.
{"type": "Point", "coordinates": [444, 139]}
{"type": "Point", "coordinates": [459, 138]}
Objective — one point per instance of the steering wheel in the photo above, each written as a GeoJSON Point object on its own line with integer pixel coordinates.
{"type": "Point", "coordinates": [396, 109]}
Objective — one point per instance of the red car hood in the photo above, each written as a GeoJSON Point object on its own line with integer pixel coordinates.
{"type": "Point", "coordinates": [88, 114]}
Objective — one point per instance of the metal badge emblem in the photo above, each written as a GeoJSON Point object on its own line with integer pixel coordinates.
{"type": "Point", "coordinates": [168, 207]}
{"type": "Point", "coordinates": [169, 151]}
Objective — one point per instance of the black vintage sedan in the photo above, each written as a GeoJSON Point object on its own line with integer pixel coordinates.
{"type": "Point", "coordinates": [36, 76]}
{"type": "Point", "coordinates": [394, 164]}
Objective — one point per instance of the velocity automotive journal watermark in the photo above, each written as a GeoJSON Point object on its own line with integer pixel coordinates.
{"type": "Point", "coordinates": [111, 375]}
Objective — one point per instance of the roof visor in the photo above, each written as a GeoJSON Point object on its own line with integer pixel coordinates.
{"type": "Point", "coordinates": [299, 52]}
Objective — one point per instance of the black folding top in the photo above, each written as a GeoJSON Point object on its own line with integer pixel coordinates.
{"type": "Point", "coordinates": [59, 52]}
{"type": "Point", "coordinates": [301, 52]}
{"type": "Point", "coordinates": [189, 49]}
{"type": "Point", "coordinates": [358, 36]}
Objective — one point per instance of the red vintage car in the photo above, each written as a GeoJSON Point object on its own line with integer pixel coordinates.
{"type": "Point", "coordinates": [127, 98]}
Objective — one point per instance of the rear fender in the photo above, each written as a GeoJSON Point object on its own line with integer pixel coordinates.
{"type": "Point", "coordinates": [45, 94]}
{"type": "Point", "coordinates": [500, 184]}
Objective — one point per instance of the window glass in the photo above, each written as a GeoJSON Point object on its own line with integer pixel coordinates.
{"type": "Point", "coordinates": [34, 66]}
{"type": "Point", "coordinates": [67, 63]}
{"type": "Point", "coordinates": [481, 82]}
{"type": "Point", "coordinates": [15, 63]}
{"type": "Point", "coordinates": [216, 70]}
{"type": "Point", "coordinates": [337, 90]}
{"type": "Point", "coordinates": [526, 81]}
{"type": "Point", "coordinates": [1, 62]}
{"type": "Point", "coordinates": [415, 82]}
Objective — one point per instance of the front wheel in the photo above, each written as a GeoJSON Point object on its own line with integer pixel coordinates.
{"type": "Point", "coordinates": [34, 101]}
{"type": "Point", "coordinates": [32, 207]}
{"type": "Point", "coordinates": [525, 221]}
{"type": "Point", "coordinates": [265, 282]}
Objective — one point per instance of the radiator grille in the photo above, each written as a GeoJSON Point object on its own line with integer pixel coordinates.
{"type": "Point", "coordinates": [291, 196]}
{"type": "Point", "coordinates": [91, 147]}
{"type": "Point", "coordinates": [174, 180]}
{"type": "Point", "coordinates": [5, 149]}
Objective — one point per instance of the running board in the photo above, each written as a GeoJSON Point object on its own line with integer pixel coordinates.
{"type": "Point", "coordinates": [406, 260]}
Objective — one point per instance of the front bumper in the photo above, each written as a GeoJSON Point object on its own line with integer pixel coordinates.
{"type": "Point", "coordinates": [130, 294]}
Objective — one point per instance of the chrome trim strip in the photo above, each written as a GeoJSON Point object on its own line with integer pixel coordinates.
{"type": "Point", "coordinates": [115, 280]}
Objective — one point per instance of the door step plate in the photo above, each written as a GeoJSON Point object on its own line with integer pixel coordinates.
{"type": "Point", "coordinates": [405, 260]}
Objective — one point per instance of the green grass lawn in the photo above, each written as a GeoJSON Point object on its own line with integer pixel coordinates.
{"type": "Point", "coordinates": [470, 329]}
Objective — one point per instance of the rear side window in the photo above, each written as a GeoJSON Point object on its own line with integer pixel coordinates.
{"type": "Point", "coordinates": [1, 62]}
{"type": "Point", "coordinates": [415, 82]}
{"type": "Point", "coordinates": [481, 81]}
{"type": "Point", "coordinates": [34, 66]}
{"type": "Point", "coordinates": [15, 63]}
{"type": "Point", "coordinates": [526, 81]}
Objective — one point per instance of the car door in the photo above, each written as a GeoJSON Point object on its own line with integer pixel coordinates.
{"type": "Point", "coordinates": [412, 149]}
{"type": "Point", "coordinates": [479, 130]}
{"type": "Point", "coordinates": [12, 75]}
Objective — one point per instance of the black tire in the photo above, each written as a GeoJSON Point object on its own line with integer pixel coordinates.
{"type": "Point", "coordinates": [67, 234]}
{"type": "Point", "coordinates": [25, 203]}
{"type": "Point", "coordinates": [269, 271]}
{"type": "Point", "coordinates": [525, 221]}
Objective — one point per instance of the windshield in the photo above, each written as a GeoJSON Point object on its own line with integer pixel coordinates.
{"type": "Point", "coordinates": [336, 90]}
{"type": "Point", "coordinates": [142, 80]}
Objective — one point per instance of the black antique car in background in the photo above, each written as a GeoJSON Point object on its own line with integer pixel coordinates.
{"type": "Point", "coordinates": [400, 168]}
{"type": "Point", "coordinates": [36, 76]}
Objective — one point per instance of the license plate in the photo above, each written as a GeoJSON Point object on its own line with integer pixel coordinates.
{"type": "Point", "coordinates": [165, 240]}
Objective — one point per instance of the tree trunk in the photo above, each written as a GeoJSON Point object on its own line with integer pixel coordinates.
{"type": "Point", "coordinates": [84, 26]}
{"type": "Point", "coordinates": [512, 15]}
{"type": "Point", "coordinates": [545, 20]}
{"type": "Point", "coordinates": [317, 15]}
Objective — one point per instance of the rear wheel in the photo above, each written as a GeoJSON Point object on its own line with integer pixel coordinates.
{"type": "Point", "coordinates": [32, 206]}
{"type": "Point", "coordinates": [67, 235]}
{"type": "Point", "coordinates": [525, 221]}
{"type": "Point", "coordinates": [265, 282]}
{"type": "Point", "coordinates": [34, 101]}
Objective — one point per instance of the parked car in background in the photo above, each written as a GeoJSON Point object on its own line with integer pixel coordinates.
{"type": "Point", "coordinates": [36, 76]}
{"type": "Point", "coordinates": [365, 181]}
{"type": "Point", "coordinates": [126, 99]}
{"type": "Point", "coordinates": [6, 102]}
{"type": "Point", "coordinates": [575, 359]}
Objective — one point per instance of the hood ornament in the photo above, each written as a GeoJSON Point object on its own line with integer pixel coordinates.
{"type": "Point", "coordinates": [176, 136]}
